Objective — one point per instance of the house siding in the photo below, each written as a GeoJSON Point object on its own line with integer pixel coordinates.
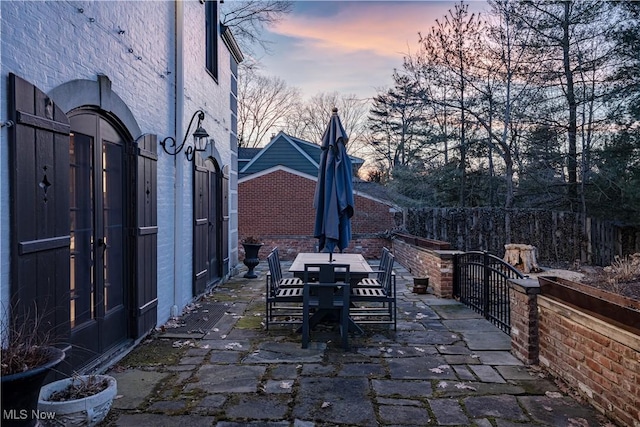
{"type": "Point", "coordinates": [281, 152]}
{"type": "Point", "coordinates": [311, 150]}
{"type": "Point", "coordinates": [52, 43]}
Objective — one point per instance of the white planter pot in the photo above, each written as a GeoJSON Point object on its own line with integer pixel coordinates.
{"type": "Point", "coordinates": [88, 411]}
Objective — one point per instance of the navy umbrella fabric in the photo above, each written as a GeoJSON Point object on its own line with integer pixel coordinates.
{"type": "Point", "coordinates": [333, 199]}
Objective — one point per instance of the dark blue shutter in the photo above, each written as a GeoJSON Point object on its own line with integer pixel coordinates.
{"type": "Point", "coordinates": [39, 199]}
{"type": "Point", "coordinates": [146, 236]}
{"type": "Point", "coordinates": [225, 224]}
{"type": "Point", "coordinates": [201, 192]}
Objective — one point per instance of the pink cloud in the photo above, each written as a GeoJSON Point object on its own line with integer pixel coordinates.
{"type": "Point", "coordinates": [384, 28]}
{"type": "Point", "coordinates": [349, 46]}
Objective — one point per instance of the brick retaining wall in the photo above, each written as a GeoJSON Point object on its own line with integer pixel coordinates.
{"type": "Point", "coordinates": [601, 360]}
{"type": "Point", "coordinates": [595, 357]}
{"type": "Point", "coordinates": [423, 262]}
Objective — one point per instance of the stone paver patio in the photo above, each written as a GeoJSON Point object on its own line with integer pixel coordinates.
{"type": "Point", "coordinates": [444, 366]}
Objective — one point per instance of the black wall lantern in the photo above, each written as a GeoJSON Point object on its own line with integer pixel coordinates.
{"type": "Point", "coordinates": [200, 139]}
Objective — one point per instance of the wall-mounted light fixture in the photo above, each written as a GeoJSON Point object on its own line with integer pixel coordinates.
{"type": "Point", "coordinates": [200, 139]}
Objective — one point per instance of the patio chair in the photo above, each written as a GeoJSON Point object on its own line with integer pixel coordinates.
{"type": "Point", "coordinates": [326, 297]}
{"type": "Point", "coordinates": [275, 273]}
{"type": "Point", "coordinates": [381, 273]}
{"type": "Point", "coordinates": [283, 303]}
{"type": "Point", "coordinates": [376, 304]}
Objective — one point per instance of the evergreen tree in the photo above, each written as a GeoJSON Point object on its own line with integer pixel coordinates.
{"type": "Point", "coordinates": [399, 128]}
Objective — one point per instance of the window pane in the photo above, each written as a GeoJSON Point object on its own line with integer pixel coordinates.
{"type": "Point", "coordinates": [211, 22]}
{"type": "Point", "coordinates": [81, 215]}
{"type": "Point", "coordinates": [113, 217]}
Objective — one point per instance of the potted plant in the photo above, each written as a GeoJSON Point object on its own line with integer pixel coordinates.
{"type": "Point", "coordinates": [420, 285]}
{"type": "Point", "coordinates": [82, 400]}
{"type": "Point", "coordinates": [251, 246]}
{"type": "Point", "coordinates": [27, 357]}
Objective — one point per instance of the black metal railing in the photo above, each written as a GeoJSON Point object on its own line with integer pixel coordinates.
{"type": "Point", "coordinates": [481, 282]}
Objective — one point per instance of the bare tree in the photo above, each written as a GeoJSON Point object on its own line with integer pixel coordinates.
{"type": "Point", "coordinates": [247, 20]}
{"type": "Point", "coordinates": [501, 80]}
{"type": "Point", "coordinates": [310, 121]}
{"type": "Point", "coordinates": [263, 103]}
{"type": "Point", "coordinates": [543, 94]}
{"type": "Point", "coordinates": [487, 95]}
{"type": "Point", "coordinates": [571, 43]}
{"type": "Point", "coordinates": [450, 49]}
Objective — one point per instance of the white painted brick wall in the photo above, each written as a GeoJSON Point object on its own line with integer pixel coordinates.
{"type": "Point", "coordinates": [51, 43]}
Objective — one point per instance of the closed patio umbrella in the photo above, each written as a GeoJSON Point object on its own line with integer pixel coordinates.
{"type": "Point", "coordinates": [333, 199]}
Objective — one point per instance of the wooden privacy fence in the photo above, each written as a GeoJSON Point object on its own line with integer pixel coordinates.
{"type": "Point", "coordinates": [558, 236]}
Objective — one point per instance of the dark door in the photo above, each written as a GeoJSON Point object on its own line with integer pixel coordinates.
{"type": "Point", "coordinates": [99, 221]}
{"type": "Point", "coordinates": [208, 220]}
{"type": "Point", "coordinates": [75, 191]}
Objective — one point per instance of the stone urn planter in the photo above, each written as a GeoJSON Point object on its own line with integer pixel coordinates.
{"type": "Point", "coordinates": [251, 256]}
{"type": "Point", "coordinates": [605, 305]}
{"type": "Point", "coordinates": [85, 411]}
{"type": "Point", "coordinates": [420, 285]}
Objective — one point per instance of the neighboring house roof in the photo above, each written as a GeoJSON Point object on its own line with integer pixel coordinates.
{"type": "Point", "coordinates": [301, 157]}
{"type": "Point", "coordinates": [382, 193]}
{"type": "Point", "coordinates": [284, 150]}
{"type": "Point", "coordinates": [371, 188]}
{"type": "Point", "coordinates": [245, 155]}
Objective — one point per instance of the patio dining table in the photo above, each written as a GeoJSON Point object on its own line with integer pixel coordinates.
{"type": "Point", "coordinates": [359, 267]}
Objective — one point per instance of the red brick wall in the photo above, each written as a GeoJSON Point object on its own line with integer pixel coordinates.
{"type": "Point", "coordinates": [278, 207]}
{"type": "Point", "coordinates": [276, 204]}
{"type": "Point", "coordinates": [421, 262]}
{"type": "Point", "coordinates": [598, 359]}
{"type": "Point", "coordinates": [371, 217]}
{"type": "Point", "coordinates": [524, 320]}
{"type": "Point", "coordinates": [289, 247]}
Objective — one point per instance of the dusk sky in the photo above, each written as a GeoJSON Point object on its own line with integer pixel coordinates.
{"type": "Point", "coordinates": [350, 47]}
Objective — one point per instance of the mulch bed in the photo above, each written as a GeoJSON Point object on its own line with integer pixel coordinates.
{"type": "Point", "coordinates": [622, 277]}
{"type": "Point", "coordinates": [598, 278]}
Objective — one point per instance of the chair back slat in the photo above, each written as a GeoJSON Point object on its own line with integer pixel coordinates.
{"type": "Point", "coordinates": [327, 273]}
{"type": "Point", "coordinates": [388, 273]}
{"type": "Point", "coordinates": [382, 266]}
{"type": "Point", "coordinates": [325, 295]}
{"type": "Point", "coordinates": [275, 281]}
{"type": "Point", "coordinates": [277, 266]}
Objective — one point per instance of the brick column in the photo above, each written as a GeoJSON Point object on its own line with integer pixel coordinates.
{"type": "Point", "coordinates": [442, 270]}
{"type": "Point", "coordinates": [523, 301]}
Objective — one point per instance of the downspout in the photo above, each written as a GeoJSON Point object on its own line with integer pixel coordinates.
{"type": "Point", "coordinates": [178, 160]}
